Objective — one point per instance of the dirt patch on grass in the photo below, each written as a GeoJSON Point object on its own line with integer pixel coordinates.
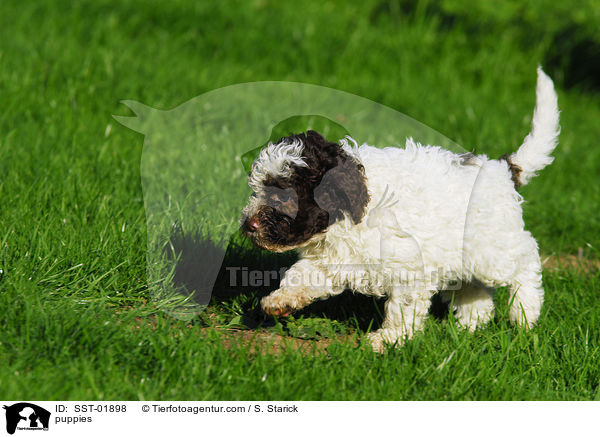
{"type": "Point", "coordinates": [256, 341]}
{"type": "Point", "coordinates": [261, 342]}
{"type": "Point", "coordinates": [570, 262]}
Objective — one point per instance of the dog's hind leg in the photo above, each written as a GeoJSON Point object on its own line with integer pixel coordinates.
{"type": "Point", "coordinates": [526, 291]}
{"type": "Point", "coordinates": [517, 265]}
{"type": "Point", "coordinates": [473, 305]}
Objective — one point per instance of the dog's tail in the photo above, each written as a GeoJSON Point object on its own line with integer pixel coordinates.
{"type": "Point", "coordinates": [534, 153]}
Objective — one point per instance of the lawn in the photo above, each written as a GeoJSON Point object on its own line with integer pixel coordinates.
{"type": "Point", "coordinates": [76, 311]}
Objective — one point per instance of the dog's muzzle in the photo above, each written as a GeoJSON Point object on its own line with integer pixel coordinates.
{"type": "Point", "coordinates": [250, 225]}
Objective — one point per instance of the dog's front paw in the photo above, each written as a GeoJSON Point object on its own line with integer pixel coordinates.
{"type": "Point", "coordinates": [376, 342]}
{"type": "Point", "coordinates": [280, 304]}
{"type": "Point", "coordinates": [379, 339]}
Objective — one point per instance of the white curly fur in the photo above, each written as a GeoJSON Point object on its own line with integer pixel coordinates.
{"type": "Point", "coordinates": [435, 219]}
{"type": "Point", "coordinates": [276, 160]}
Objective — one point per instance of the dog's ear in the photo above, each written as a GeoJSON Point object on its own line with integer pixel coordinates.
{"type": "Point", "coordinates": [343, 189]}
{"type": "Point", "coordinates": [338, 180]}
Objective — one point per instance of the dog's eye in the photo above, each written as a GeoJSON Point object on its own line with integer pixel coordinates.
{"type": "Point", "coordinates": [275, 199]}
{"type": "Point", "coordinates": [282, 197]}
{"type": "Point", "coordinates": [285, 201]}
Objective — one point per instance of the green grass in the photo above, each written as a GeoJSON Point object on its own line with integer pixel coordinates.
{"type": "Point", "coordinates": [92, 351]}
{"type": "Point", "coordinates": [75, 310]}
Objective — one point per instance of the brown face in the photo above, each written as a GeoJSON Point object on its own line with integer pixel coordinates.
{"type": "Point", "coordinates": [285, 218]}
{"type": "Point", "coordinates": [288, 211]}
{"type": "Point", "coordinates": [283, 200]}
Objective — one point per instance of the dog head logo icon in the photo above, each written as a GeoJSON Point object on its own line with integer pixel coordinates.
{"type": "Point", "coordinates": [26, 416]}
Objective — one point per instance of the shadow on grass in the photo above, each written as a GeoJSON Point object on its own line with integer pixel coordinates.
{"type": "Point", "coordinates": [248, 273]}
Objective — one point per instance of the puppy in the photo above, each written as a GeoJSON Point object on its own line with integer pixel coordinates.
{"type": "Point", "coordinates": [402, 224]}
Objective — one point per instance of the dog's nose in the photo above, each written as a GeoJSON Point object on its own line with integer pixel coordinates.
{"type": "Point", "coordinates": [251, 225]}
